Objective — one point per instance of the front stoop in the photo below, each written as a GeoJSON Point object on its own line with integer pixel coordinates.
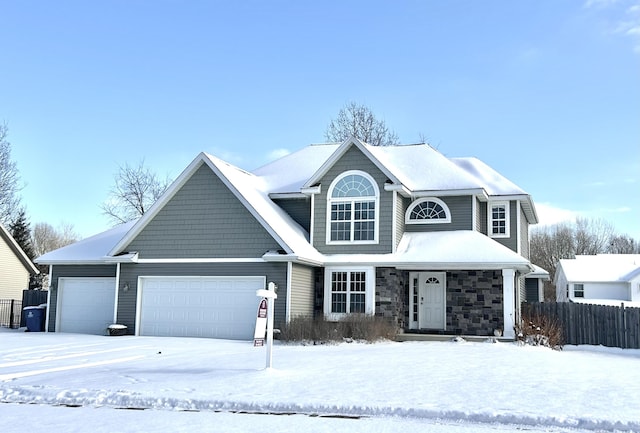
{"type": "Point", "coordinates": [402, 337]}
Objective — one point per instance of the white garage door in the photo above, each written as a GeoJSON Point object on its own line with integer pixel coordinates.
{"type": "Point", "coordinates": [85, 305]}
{"type": "Point", "coordinates": [215, 307]}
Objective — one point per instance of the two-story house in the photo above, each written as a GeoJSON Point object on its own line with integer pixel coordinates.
{"type": "Point", "coordinates": [434, 244]}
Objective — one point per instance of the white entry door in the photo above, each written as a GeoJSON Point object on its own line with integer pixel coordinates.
{"type": "Point", "coordinates": [431, 300]}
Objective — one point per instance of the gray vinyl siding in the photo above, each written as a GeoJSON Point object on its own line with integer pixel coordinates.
{"type": "Point", "coordinates": [461, 208]}
{"type": "Point", "coordinates": [204, 219]}
{"type": "Point", "coordinates": [512, 241]}
{"type": "Point", "coordinates": [59, 271]}
{"type": "Point", "coordinates": [524, 235]}
{"type": "Point", "coordinates": [353, 159]}
{"type": "Point", "coordinates": [302, 291]}
{"type": "Point", "coordinates": [401, 208]}
{"type": "Point", "coordinates": [299, 209]}
{"type": "Point", "coordinates": [129, 273]}
{"type": "Point", "coordinates": [483, 218]}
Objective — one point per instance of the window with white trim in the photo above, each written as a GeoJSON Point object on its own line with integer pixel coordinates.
{"type": "Point", "coordinates": [499, 219]}
{"type": "Point", "coordinates": [352, 209]}
{"type": "Point", "coordinates": [428, 211]}
{"type": "Point", "coordinates": [349, 291]}
{"type": "Point", "coordinates": [578, 290]}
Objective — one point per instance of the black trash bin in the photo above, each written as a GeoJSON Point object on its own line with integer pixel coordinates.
{"type": "Point", "coordinates": [34, 317]}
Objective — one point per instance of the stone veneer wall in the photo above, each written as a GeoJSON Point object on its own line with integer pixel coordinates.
{"type": "Point", "coordinates": [392, 295]}
{"type": "Point", "coordinates": [474, 302]}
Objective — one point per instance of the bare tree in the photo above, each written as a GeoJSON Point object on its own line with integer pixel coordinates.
{"type": "Point", "coordinates": [136, 189]}
{"type": "Point", "coordinates": [358, 121]}
{"type": "Point", "coordinates": [9, 181]}
{"type": "Point", "coordinates": [623, 244]}
{"type": "Point", "coordinates": [45, 238]}
{"type": "Point", "coordinates": [592, 236]}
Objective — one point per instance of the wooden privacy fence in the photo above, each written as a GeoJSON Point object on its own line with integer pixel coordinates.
{"type": "Point", "coordinates": [592, 324]}
{"type": "Point", "coordinates": [31, 298]}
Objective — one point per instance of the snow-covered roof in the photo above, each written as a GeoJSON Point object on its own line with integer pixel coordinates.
{"type": "Point", "coordinates": [601, 268]}
{"type": "Point", "coordinates": [460, 249]}
{"type": "Point", "coordinates": [414, 167]}
{"type": "Point", "coordinates": [252, 190]}
{"type": "Point", "coordinates": [492, 181]}
{"type": "Point", "coordinates": [94, 249]}
{"type": "Point", "coordinates": [418, 168]}
{"type": "Point", "coordinates": [538, 272]}
{"type": "Point", "coordinates": [289, 173]}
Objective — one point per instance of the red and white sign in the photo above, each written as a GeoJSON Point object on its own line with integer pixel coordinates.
{"type": "Point", "coordinates": [261, 324]}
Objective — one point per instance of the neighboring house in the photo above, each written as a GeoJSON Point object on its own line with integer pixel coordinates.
{"type": "Point", "coordinates": [434, 244]}
{"type": "Point", "coordinates": [15, 267]}
{"type": "Point", "coordinates": [598, 278]}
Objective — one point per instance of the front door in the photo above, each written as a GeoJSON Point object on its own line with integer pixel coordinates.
{"type": "Point", "coordinates": [431, 300]}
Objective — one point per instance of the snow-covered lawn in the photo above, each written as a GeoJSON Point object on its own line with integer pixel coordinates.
{"type": "Point", "coordinates": [581, 387]}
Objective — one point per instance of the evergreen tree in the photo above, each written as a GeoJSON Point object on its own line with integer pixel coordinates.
{"type": "Point", "coordinates": [21, 232]}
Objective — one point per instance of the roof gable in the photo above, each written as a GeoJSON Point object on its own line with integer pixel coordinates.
{"type": "Point", "coordinates": [11, 243]}
{"type": "Point", "coordinates": [249, 190]}
{"type": "Point", "coordinates": [339, 153]}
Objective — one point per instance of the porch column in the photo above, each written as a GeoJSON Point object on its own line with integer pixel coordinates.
{"type": "Point", "coordinates": [508, 302]}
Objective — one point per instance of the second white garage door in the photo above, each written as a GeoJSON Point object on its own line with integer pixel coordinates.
{"type": "Point", "coordinates": [215, 307]}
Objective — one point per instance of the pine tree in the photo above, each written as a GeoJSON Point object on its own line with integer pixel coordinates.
{"type": "Point", "coordinates": [21, 232]}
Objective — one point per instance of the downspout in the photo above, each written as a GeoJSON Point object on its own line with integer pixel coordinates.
{"type": "Point", "coordinates": [115, 305]}
{"type": "Point", "coordinates": [287, 313]}
{"type": "Point", "coordinates": [46, 319]}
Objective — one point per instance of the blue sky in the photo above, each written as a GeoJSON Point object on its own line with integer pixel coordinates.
{"type": "Point", "coordinates": [546, 92]}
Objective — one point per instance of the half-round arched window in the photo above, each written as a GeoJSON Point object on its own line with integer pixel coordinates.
{"type": "Point", "coordinates": [428, 211]}
{"type": "Point", "coordinates": [352, 208]}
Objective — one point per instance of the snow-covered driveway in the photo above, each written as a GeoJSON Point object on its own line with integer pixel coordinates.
{"type": "Point", "coordinates": [475, 382]}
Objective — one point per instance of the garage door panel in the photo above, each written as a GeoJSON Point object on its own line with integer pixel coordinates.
{"type": "Point", "coordinates": [217, 307]}
{"type": "Point", "coordinates": [85, 305]}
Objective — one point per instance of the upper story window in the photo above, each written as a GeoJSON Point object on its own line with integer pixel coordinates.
{"type": "Point", "coordinates": [353, 209]}
{"type": "Point", "coordinates": [428, 211]}
{"type": "Point", "coordinates": [499, 219]}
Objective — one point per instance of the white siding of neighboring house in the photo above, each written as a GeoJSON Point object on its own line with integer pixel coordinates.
{"type": "Point", "coordinates": [14, 278]}
{"type": "Point", "coordinates": [607, 291]}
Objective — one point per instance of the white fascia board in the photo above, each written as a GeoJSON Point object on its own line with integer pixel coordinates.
{"type": "Point", "coordinates": [76, 262]}
{"type": "Point", "coordinates": [352, 141]}
{"type": "Point", "coordinates": [525, 201]}
{"type": "Point", "coordinates": [278, 195]}
{"type": "Point", "coordinates": [123, 258]}
{"type": "Point", "coordinates": [291, 258]}
{"type": "Point", "coordinates": [399, 188]}
{"type": "Point", "coordinates": [480, 193]}
{"type": "Point", "coordinates": [203, 260]}
{"type": "Point", "coordinates": [159, 204]}
{"type": "Point", "coordinates": [311, 190]}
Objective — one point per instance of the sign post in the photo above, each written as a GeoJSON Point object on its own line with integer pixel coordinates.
{"type": "Point", "coordinates": [265, 320]}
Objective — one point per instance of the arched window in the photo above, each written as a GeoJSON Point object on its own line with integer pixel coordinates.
{"type": "Point", "coordinates": [352, 209]}
{"type": "Point", "coordinates": [428, 211]}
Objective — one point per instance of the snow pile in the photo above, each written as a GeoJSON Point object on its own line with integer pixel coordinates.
{"type": "Point", "coordinates": [475, 382]}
